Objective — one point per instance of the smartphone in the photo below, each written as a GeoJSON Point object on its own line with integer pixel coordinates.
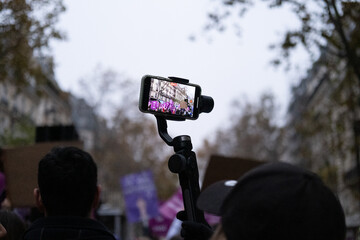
{"type": "Point", "coordinates": [175, 99]}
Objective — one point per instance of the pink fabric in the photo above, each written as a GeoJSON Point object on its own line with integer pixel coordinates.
{"type": "Point", "coordinates": [171, 207]}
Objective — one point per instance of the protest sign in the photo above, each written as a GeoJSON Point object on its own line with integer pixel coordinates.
{"type": "Point", "coordinates": [140, 196]}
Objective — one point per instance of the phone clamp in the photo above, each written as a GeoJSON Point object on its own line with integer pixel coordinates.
{"type": "Point", "coordinates": [179, 80]}
{"type": "Point", "coordinates": [206, 103]}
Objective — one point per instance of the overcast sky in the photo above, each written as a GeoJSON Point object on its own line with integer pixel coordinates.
{"type": "Point", "coordinates": [140, 37]}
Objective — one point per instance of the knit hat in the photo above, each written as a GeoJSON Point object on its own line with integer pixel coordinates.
{"type": "Point", "coordinates": [275, 201]}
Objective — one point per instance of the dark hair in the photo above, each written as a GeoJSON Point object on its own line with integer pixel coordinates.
{"type": "Point", "coordinates": [67, 178]}
{"type": "Point", "coordinates": [13, 224]}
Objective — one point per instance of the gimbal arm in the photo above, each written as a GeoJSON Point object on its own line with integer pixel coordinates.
{"type": "Point", "coordinates": [162, 130]}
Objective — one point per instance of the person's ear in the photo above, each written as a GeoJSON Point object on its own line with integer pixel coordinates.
{"type": "Point", "coordinates": [38, 200]}
{"type": "Point", "coordinates": [97, 197]}
{"type": "Point", "coordinates": [96, 201]}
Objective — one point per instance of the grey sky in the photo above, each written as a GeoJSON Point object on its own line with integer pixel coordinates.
{"type": "Point", "coordinates": [140, 37]}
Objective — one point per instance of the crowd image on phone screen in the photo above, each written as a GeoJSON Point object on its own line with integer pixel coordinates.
{"type": "Point", "coordinates": [171, 98]}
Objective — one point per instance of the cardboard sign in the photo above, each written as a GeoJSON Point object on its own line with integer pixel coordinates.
{"type": "Point", "coordinates": [227, 168]}
{"type": "Point", "coordinates": [20, 167]}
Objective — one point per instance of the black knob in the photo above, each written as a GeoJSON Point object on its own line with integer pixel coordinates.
{"type": "Point", "coordinates": [177, 163]}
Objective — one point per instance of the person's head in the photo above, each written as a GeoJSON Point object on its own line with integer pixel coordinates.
{"type": "Point", "coordinates": [67, 180]}
{"type": "Point", "coordinates": [275, 201]}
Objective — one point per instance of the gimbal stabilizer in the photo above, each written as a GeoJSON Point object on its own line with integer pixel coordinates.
{"type": "Point", "coordinates": [184, 162]}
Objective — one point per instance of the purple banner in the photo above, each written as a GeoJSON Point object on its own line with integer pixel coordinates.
{"type": "Point", "coordinates": [159, 226]}
{"type": "Point", "coordinates": [140, 196]}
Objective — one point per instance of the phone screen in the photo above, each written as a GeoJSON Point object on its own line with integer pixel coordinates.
{"type": "Point", "coordinates": [171, 98]}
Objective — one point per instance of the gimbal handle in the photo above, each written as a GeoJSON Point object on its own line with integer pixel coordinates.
{"type": "Point", "coordinates": [184, 163]}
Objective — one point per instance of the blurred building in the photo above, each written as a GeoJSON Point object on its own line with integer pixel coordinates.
{"type": "Point", "coordinates": [321, 132]}
{"type": "Point", "coordinates": [323, 125]}
{"type": "Point", "coordinates": [85, 121]}
{"type": "Point", "coordinates": [45, 105]}
{"type": "Point", "coordinates": [32, 106]}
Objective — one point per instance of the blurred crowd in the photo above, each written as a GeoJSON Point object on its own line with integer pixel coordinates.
{"type": "Point", "coordinates": [272, 201]}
